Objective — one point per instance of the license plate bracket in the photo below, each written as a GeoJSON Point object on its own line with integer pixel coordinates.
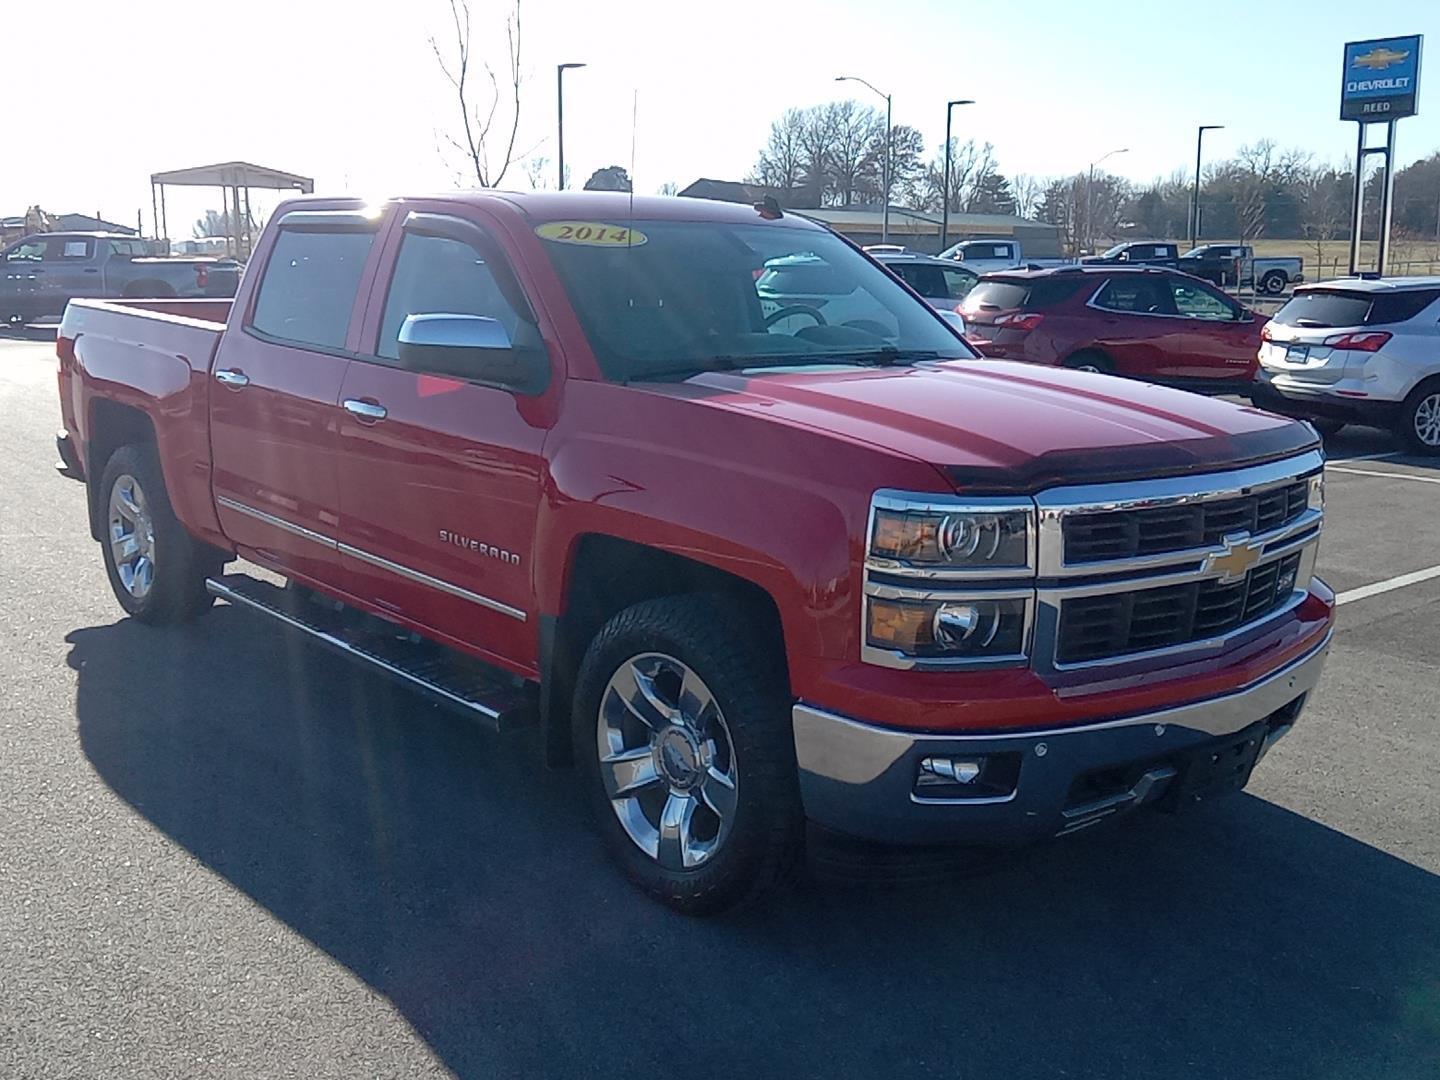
{"type": "Point", "coordinates": [1297, 354]}
{"type": "Point", "coordinates": [1218, 768]}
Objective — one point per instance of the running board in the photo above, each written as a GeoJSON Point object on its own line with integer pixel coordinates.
{"type": "Point", "coordinates": [497, 700]}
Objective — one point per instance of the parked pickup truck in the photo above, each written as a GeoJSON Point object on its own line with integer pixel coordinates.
{"type": "Point", "coordinates": [40, 274]}
{"type": "Point", "coordinates": [1137, 253]}
{"type": "Point", "coordinates": [544, 458]}
{"type": "Point", "coordinates": [983, 256]}
{"type": "Point", "coordinates": [1236, 265]}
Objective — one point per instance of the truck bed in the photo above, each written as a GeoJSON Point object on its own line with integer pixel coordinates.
{"type": "Point", "coordinates": [152, 357]}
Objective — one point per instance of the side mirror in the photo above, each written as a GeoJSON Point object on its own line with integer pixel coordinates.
{"type": "Point", "coordinates": [475, 348]}
{"type": "Point", "coordinates": [1244, 314]}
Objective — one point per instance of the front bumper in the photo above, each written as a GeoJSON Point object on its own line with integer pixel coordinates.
{"type": "Point", "coordinates": [859, 779]}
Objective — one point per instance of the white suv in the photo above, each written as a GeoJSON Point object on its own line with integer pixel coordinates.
{"type": "Point", "coordinates": [1358, 349]}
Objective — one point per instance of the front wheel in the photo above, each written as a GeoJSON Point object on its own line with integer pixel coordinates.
{"type": "Point", "coordinates": [682, 729]}
{"type": "Point", "coordinates": [1273, 283]}
{"type": "Point", "coordinates": [1419, 422]}
{"type": "Point", "coordinates": [156, 569]}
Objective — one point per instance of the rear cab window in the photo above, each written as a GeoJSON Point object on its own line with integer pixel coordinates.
{"type": "Point", "coordinates": [310, 285]}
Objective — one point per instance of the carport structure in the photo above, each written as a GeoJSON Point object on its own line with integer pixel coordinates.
{"type": "Point", "coordinates": [234, 179]}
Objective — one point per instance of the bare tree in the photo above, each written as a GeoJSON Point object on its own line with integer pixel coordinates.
{"type": "Point", "coordinates": [855, 130]}
{"type": "Point", "coordinates": [537, 172]}
{"type": "Point", "coordinates": [970, 167]}
{"type": "Point", "coordinates": [782, 162]}
{"type": "Point", "coordinates": [907, 164]}
{"type": "Point", "coordinates": [483, 127]}
{"type": "Point", "coordinates": [670, 187]}
{"type": "Point", "coordinates": [1027, 190]}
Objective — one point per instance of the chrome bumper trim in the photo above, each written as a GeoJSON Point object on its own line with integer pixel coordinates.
{"type": "Point", "coordinates": [850, 752]}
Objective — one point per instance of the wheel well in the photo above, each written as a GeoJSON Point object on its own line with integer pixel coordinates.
{"type": "Point", "coordinates": [148, 290]}
{"type": "Point", "coordinates": [1089, 350]}
{"type": "Point", "coordinates": [112, 426]}
{"type": "Point", "coordinates": [608, 575]}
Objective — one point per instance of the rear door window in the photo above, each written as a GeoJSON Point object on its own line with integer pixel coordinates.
{"type": "Point", "coordinates": [310, 284]}
{"type": "Point", "coordinates": [1136, 295]}
{"type": "Point", "coordinates": [928, 281]}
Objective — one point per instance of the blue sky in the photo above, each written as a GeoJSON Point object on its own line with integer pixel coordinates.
{"type": "Point", "coordinates": [349, 93]}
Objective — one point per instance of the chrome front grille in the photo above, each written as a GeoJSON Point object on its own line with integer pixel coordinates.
{"type": "Point", "coordinates": [1152, 568]}
{"type": "Point", "coordinates": [1121, 534]}
{"type": "Point", "coordinates": [1117, 624]}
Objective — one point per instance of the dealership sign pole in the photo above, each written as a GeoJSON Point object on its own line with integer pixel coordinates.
{"type": "Point", "coordinates": [1381, 85]}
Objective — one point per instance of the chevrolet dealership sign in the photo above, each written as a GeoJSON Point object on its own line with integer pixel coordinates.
{"type": "Point", "coordinates": [1382, 79]}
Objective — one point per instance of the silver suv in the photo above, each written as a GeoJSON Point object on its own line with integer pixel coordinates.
{"type": "Point", "coordinates": [1358, 349]}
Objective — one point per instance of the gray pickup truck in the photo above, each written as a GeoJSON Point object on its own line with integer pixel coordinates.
{"type": "Point", "coordinates": [1236, 264]}
{"type": "Point", "coordinates": [41, 273]}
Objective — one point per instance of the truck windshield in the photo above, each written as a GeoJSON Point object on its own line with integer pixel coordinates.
{"type": "Point", "coordinates": [1112, 252]}
{"type": "Point", "coordinates": [1196, 253]}
{"type": "Point", "coordinates": [668, 299]}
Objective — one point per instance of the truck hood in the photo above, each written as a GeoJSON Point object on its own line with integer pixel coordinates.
{"type": "Point", "coordinates": [991, 425]}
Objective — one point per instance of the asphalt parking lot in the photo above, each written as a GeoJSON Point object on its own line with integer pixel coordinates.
{"type": "Point", "coordinates": [226, 853]}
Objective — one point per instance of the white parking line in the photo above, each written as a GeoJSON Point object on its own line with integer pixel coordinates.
{"type": "Point", "coordinates": [1386, 475]}
{"type": "Point", "coordinates": [1388, 585]}
{"type": "Point", "coordinates": [1368, 457]}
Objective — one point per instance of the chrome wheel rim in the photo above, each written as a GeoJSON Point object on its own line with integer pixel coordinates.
{"type": "Point", "coordinates": [1427, 420]}
{"type": "Point", "coordinates": [132, 536]}
{"type": "Point", "coordinates": [666, 761]}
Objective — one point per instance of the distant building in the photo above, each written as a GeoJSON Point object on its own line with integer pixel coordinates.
{"type": "Point", "coordinates": [86, 223]}
{"type": "Point", "coordinates": [918, 230]}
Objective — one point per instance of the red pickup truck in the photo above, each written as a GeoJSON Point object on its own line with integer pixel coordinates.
{"type": "Point", "coordinates": [752, 562]}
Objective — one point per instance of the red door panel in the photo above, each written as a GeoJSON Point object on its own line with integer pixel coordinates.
{"type": "Point", "coordinates": [439, 501]}
{"type": "Point", "coordinates": [273, 443]}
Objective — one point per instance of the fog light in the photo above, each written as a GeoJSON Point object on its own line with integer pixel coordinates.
{"type": "Point", "coordinates": [937, 771]}
{"type": "Point", "coordinates": [974, 777]}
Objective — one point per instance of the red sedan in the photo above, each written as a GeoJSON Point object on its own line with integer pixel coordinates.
{"type": "Point", "coordinates": [1144, 322]}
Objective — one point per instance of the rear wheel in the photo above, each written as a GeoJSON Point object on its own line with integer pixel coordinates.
{"type": "Point", "coordinates": [1273, 283]}
{"type": "Point", "coordinates": [1090, 361]}
{"type": "Point", "coordinates": [1419, 423]}
{"type": "Point", "coordinates": [682, 729]}
{"type": "Point", "coordinates": [156, 569]}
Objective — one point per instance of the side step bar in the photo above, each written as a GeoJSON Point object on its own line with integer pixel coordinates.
{"type": "Point", "coordinates": [497, 700]}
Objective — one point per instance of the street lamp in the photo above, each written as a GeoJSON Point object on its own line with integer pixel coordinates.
{"type": "Point", "coordinates": [1195, 202]}
{"type": "Point", "coordinates": [945, 191]}
{"type": "Point", "coordinates": [1090, 195]}
{"type": "Point", "coordinates": [560, 116]}
{"type": "Point", "coordinates": [885, 213]}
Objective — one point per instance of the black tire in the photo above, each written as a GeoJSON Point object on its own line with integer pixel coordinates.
{"type": "Point", "coordinates": [1273, 283]}
{"type": "Point", "coordinates": [1090, 360]}
{"type": "Point", "coordinates": [1420, 405]}
{"type": "Point", "coordinates": [1327, 426]}
{"type": "Point", "coordinates": [179, 564]}
{"type": "Point", "coordinates": [717, 642]}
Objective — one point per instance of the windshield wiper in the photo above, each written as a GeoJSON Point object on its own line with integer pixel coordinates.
{"type": "Point", "coordinates": [889, 356]}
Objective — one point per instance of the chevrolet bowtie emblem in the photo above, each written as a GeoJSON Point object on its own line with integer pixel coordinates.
{"type": "Point", "coordinates": [1379, 59]}
{"type": "Point", "coordinates": [1232, 564]}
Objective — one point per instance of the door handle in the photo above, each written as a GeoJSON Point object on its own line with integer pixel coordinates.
{"type": "Point", "coordinates": [92, 269]}
{"type": "Point", "coordinates": [365, 410]}
{"type": "Point", "coordinates": [233, 379]}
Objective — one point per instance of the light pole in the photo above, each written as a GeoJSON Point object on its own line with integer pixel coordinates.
{"type": "Point", "coordinates": [1090, 195]}
{"type": "Point", "coordinates": [560, 117]}
{"type": "Point", "coordinates": [945, 190]}
{"type": "Point", "coordinates": [1195, 201]}
{"type": "Point", "coordinates": [885, 182]}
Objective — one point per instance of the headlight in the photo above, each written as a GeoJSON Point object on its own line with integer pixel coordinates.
{"type": "Point", "coordinates": [1316, 500]}
{"type": "Point", "coordinates": [975, 537]}
{"type": "Point", "coordinates": [978, 628]}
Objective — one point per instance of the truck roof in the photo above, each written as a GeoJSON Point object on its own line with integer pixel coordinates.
{"type": "Point", "coordinates": [580, 205]}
